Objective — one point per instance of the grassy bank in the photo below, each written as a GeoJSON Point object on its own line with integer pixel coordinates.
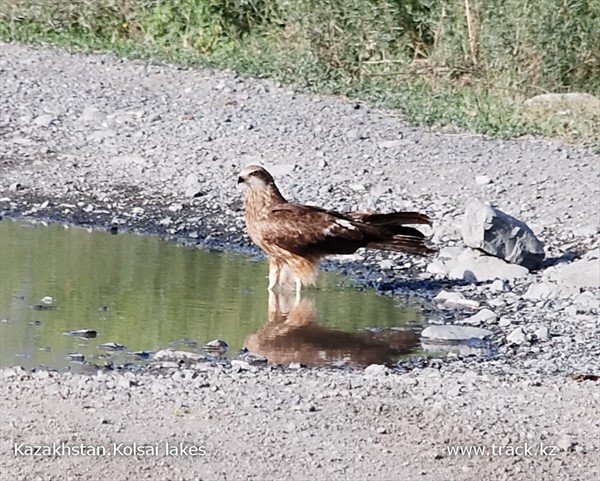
{"type": "Point", "coordinates": [467, 64]}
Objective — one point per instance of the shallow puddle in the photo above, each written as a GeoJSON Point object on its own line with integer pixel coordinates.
{"type": "Point", "coordinates": [147, 294]}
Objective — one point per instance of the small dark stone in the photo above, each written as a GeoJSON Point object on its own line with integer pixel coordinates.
{"type": "Point", "coordinates": [43, 307]}
{"type": "Point", "coordinates": [75, 357]}
{"type": "Point", "coordinates": [84, 333]}
{"type": "Point", "coordinates": [112, 346]}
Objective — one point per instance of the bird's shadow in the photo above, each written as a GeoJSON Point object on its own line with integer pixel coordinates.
{"type": "Point", "coordinates": [564, 258]}
{"type": "Point", "coordinates": [405, 282]}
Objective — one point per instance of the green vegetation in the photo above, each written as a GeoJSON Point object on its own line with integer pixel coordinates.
{"type": "Point", "coordinates": [469, 64]}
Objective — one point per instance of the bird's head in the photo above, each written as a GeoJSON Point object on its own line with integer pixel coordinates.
{"type": "Point", "coordinates": [256, 177]}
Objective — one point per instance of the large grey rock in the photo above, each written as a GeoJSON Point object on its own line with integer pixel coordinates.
{"type": "Point", "coordinates": [472, 266]}
{"type": "Point", "coordinates": [571, 100]}
{"type": "Point", "coordinates": [501, 235]}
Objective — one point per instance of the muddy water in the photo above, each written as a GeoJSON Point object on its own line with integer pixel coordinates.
{"type": "Point", "coordinates": [147, 294]}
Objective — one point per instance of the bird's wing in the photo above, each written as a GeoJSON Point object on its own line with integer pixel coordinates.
{"type": "Point", "coordinates": [307, 230]}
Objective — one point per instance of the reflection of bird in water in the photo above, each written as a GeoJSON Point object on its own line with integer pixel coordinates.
{"type": "Point", "coordinates": [292, 334]}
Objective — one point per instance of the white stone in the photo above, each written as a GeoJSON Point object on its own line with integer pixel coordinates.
{"type": "Point", "coordinates": [505, 321]}
{"type": "Point", "coordinates": [92, 114]}
{"type": "Point", "coordinates": [482, 180]}
{"type": "Point", "coordinates": [486, 268]}
{"type": "Point", "coordinates": [541, 291]}
{"type": "Point", "coordinates": [386, 264]}
{"type": "Point", "coordinates": [377, 370]}
{"type": "Point", "coordinates": [582, 273]}
{"type": "Point", "coordinates": [169, 355]}
{"type": "Point", "coordinates": [543, 334]}
{"type": "Point", "coordinates": [517, 336]}
{"type": "Point", "coordinates": [191, 185]}
{"type": "Point", "coordinates": [484, 316]}
{"type": "Point", "coordinates": [44, 120]}
{"type": "Point", "coordinates": [592, 254]}
{"type": "Point", "coordinates": [451, 299]}
{"type": "Point", "coordinates": [241, 365]}
{"type": "Point", "coordinates": [498, 286]}
{"type": "Point", "coordinates": [585, 230]}
{"type": "Point", "coordinates": [440, 266]}
{"type": "Point", "coordinates": [454, 333]}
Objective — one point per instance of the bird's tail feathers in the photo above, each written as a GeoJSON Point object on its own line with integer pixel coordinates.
{"type": "Point", "coordinates": [391, 219]}
{"type": "Point", "coordinates": [404, 243]}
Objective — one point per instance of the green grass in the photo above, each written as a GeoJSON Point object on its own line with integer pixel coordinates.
{"type": "Point", "coordinates": [419, 57]}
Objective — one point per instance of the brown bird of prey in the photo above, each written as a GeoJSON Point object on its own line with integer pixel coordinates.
{"type": "Point", "coordinates": [295, 237]}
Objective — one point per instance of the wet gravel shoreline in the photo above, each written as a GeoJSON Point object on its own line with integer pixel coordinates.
{"type": "Point", "coordinates": [97, 141]}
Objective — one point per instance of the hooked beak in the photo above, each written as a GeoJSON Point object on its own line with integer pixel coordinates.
{"type": "Point", "coordinates": [240, 180]}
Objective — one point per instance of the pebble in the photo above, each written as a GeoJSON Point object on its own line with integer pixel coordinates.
{"type": "Point", "coordinates": [241, 365]}
{"type": "Point", "coordinates": [44, 120]}
{"type": "Point", "coordinates": [541, 291]}
{"type": "Point", "coordinates": [84, 333]}
{"type": "Point", "coordinates": [75, 357]}
{"type": "Point", "coordinates": [377, 370]}
{"type": "Point", "coordinates": [485, 316]}
{"type": "Point", "coordinates": [482, 180]}
{"type": "Point", "coordinates": [92, 115]}
{"type": "Point", "coordinates": [542, 333]}
{"type": "Point", "coordinates": [170, 355]}
{"type": "Point", "coordinates": [217, 346]}
{"type": "Point", "coordinates": [449, 298]}
{"type": "Point", "coordinates": [499, 285]}
{"type": "Point", "coordinates": [566, 443]}
{"type": "Point", "coordinates": [192, 185]}
{"type": "Point", "coordinates": [112, 346]}
{"type": "Point", "coordinates": [517, 336]}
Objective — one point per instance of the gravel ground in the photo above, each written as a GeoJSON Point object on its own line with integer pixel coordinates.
{"type": "Point", "coordinates": [93, 140]}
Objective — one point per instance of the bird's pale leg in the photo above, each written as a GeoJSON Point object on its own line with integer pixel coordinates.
{"type": "Point", "coordinates": [298, 289]}
{"type": "Point", "coordinates": [274, 273]}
